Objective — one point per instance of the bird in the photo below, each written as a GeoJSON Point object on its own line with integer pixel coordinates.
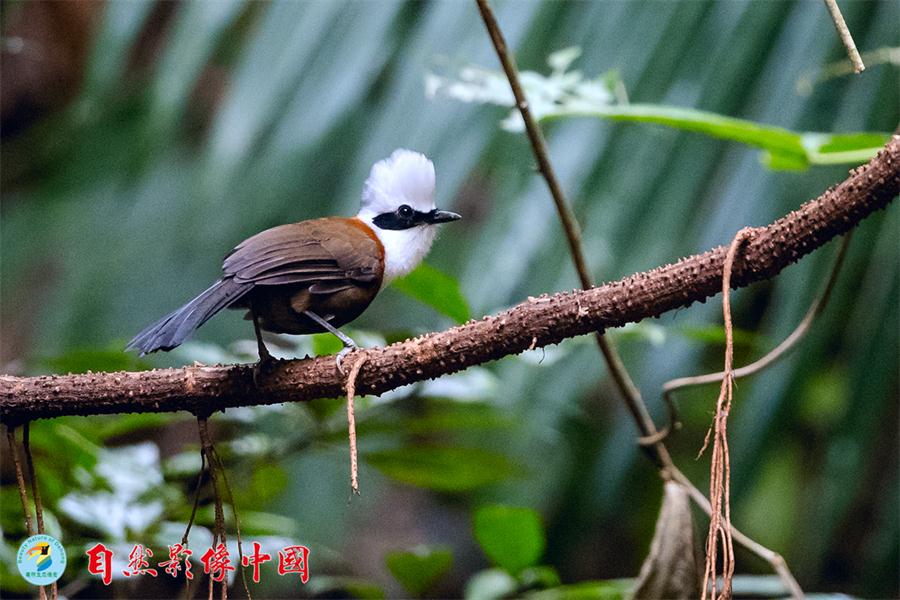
{"type": "Point", "coordinates": [44, 558]}
{"type": "Point", "coordinates": [316, 275]}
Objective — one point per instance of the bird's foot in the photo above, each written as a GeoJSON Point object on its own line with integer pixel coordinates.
{"type": "Point", "coordinates": [339, 357]}
{"type": "Point", "coordinates": [262, 368]}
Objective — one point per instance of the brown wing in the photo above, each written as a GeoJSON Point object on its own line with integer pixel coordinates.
{"type": "Point", "coordinates": [327, 254]}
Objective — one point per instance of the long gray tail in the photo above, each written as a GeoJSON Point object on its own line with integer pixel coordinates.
{"type": "Point", "coordinates": [174, 328]}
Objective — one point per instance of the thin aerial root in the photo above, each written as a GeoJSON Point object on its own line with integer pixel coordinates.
{"type": "Point", "coordinates": [720, 468]}
{"type": "Point", "coordinates": [351, 424]}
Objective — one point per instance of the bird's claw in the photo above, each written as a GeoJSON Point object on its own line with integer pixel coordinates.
{"type": "Point", "coordinates": [339, 358]}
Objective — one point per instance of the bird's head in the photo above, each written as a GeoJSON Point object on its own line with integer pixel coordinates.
{"type": "Point", "coordinates": [398, 204]}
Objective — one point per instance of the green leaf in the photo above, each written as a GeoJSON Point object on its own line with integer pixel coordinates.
{"type": "Point", "coordinates": [715, 334]}
{"type": "Point", "coordinates": [826, 397]}
{"type": "Point", "coordinates": [652, 333]}
{"type": "Point", "coordinates": [419, 569]}
{"type": "Point", "coordinates": [539, 577]}
{"type": "Point", "coordinates": [783, 162]}
{"type": "Point", "coordinates": [438, 417]}
{"type": "Point", "coordinates": [325, 344]}
{"type": "Point", "coordinates": [82, 360]}
{"type": "Point", "coordinates": [782, 149]}
{"type": "Point", "coordinates": [445, 469]}
{"type": "Point", "coordinates": [776, 140]}
{"type": "Point", "coordinates": [613, 589]}
{"type": "Point", "coordinates": [835, 149]}
{"type": "Point", "coordinates": [70, 443]}
{"type": "Point", "coordinates": [268, 481]}
{"type": "Point", "coordinates": [104, 427]}
{"type": "Point", "coordinates": [512, 537]}
{"type": "Point", "coordinates": [265, 523]}
{"type": "Point", "coordinates": [436, 289]}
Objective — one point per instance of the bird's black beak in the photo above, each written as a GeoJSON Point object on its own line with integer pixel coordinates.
{"type": "Point", "coordinates": [442, 216]}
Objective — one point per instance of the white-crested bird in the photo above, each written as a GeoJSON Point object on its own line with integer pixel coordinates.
{"type": "Point", "coordinates": [320, 274]}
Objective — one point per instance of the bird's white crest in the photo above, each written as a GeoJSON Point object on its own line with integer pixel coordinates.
{"type": "Point", "coordinates": [406, 177]}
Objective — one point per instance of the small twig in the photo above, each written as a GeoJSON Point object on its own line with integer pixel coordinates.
{"type": "Point", "coordinates": [846, 38]}
{"type": "Point", "coordinates": [237, 522]}
{"type": "Point", "coordinates": [566, 216]}
{"type": "Point", "coordinates": [629, 391]}
{"type": "Point", "coordinates": [720, 468]}
{"type": "Point", "coordinates": [673, 425]}
{"type": "Point", "coordinates": [36, 495]}
{"type": "Point", "coordinates": [818, 305]}
{"type": "Point", "coordinates": [219, 534]}
{"type": "Point", "coordinates": [351, 424]}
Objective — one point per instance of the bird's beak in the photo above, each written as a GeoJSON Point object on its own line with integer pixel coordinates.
{"type": "Point", "coordinates": [442, 216]}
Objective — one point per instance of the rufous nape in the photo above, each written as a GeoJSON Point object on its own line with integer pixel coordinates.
{"type": "Point", "coordinates": [317, 275]}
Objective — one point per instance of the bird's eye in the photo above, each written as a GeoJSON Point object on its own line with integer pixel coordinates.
{"type": "Point", "coordinates": [405, 211]}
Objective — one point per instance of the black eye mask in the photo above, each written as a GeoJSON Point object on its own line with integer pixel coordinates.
{"type": "Point", "coordinates": [406, 218]}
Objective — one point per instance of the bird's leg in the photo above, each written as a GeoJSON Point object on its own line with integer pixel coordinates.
{"type": "Point", "coordinates": [260, 344]}
{"type": "Point", "coordinates": [265, 359]}
{"type": "Point", "coordinates": [349, 344]}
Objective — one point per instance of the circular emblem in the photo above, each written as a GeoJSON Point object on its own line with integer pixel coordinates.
{"type": "Point", "coordinates": [41, 559]}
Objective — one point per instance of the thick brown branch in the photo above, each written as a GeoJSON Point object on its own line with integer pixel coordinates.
{"type": "Point", "coordinates": [537, 322]}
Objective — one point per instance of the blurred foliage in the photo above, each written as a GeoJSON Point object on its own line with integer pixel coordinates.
{"type": "Point", "coordinates": [445, 469]}
{"type": "Point", "coordinates": [436, 289]}
{"type": "Point", "coordinates": [419, 569]}
{"type": "Point", "coordinates": [566, 94]}
{"type": "Point", "coordinates": [199, 124]}
{"type": "Point", "coordinates": [512, 537]}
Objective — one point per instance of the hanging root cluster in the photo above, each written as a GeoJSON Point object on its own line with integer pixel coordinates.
{"type": "Point", "coordinates": [720, 468]}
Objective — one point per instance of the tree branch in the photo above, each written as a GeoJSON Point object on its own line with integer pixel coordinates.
{"type": "Point", "coordinates": [535, 323]}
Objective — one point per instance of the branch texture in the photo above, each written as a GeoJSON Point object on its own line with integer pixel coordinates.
{"type": "Point", "coordinates": [534, 323]}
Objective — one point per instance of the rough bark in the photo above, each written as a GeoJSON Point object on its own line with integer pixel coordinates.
{"type": "Point", "coordinates": [532, 324]}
